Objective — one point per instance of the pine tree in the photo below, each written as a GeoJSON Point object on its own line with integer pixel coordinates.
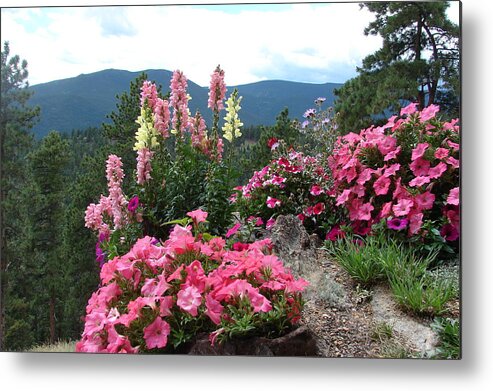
{"type": "Point", "coordinates": [16, 119]}
{"type": "Point", "coordinates": [418, 62]}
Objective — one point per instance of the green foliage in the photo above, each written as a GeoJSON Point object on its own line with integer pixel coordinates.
{"type": "Point", "coordinates": [418, 62]}
{"type": "Point", "coordinates": [448, 331]}
{"type": "Point", "coordinates": [361, 259]}
{"type": "Point", "coordinates": [16, 118]}
{"type": "Point", "coordinates": [413, 288]}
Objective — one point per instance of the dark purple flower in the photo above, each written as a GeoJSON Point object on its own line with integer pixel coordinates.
{"type": "Point", "coordinates": [133, 204]}
{"type": "Point", "coordinates": [449, 232]}
{"type": "Point", "coordinates": [103, 237]}
{"type": "Point", "coordinates": [397, 224]}
{"type": "Point", "coordinates": [100, 255]}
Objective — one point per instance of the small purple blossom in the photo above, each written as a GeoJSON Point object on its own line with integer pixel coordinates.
{"type": "Point", "coordinates": [305, 124]}
{"type": "Point", "coordinates": [397, 224]}
{"type": "Point", "coordinates": [309, 113]}
{"type": "Point", "coordinates": [100, 255]}
{"type": "Point", "coordinates": [320, 100]}
{"type": "Point", "coordinates": [133, 204]}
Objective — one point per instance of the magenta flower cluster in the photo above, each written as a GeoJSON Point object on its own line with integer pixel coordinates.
{"type": "Point", "coordinates": [291, 184]}
{"type": "Point", "coordinates": [380, 174]}
{"type": "Point", "coordinates": [148, 296]}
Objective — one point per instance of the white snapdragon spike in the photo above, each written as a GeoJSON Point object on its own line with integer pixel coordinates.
{"type": "Point", "coordinates": [231, 128]}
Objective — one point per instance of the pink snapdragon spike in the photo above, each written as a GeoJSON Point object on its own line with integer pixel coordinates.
{"type": "Point", "coordinates": [114, 175]}
{"type": "Point", "coordinates": [179, 102]}
{"type": "Point", "coordinates": [217, 90]}
{"type": "Point", "coordinates": [148, 95]}
{"type": "Point", "coordinates": [144, 168]}
{"type": "Point", "coordinates": [162, 117]}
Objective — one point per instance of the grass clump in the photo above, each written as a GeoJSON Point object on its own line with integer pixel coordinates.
{"type": "Point", "coordinates": [414, 288]}
{"type": "Point", "coordinates": [360, 258]}
{"type": "Point", "coordinates": [58, 347]}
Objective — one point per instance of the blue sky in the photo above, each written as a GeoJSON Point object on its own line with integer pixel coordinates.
{"type": "Point", "coordinates": [314, 43]}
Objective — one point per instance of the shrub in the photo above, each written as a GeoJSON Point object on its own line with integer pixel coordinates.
{"type": "Point", "coordinates": [449, 333]}
{"type": "Point", "coordinates": [291, 184]}
{"type": "Point", "coordinates": [404, 173]}
{"type": "Point", "coordinates": [159, 296]}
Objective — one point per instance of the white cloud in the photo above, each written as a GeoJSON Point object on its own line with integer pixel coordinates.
{"type": "Point", "coordinates": [303, 42]}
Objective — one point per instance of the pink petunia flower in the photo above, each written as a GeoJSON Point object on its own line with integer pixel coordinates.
{"type": "Point", "coordinates": [272, 202]}
{"type": "Point", "coordinates": [424, 201]}
{"type": "Point", "coordinates": [270, 223]}
{"type": "Point", "coordinates": [381, 185]}
{"type": "Point", "coordinates": [415, 223]}
{"type": "Point", "coordinates": [318, 208]}
{"type": "Point", "coordinates": [409, 109]}
{"type": "Point", "coordinates": [315, 190]}
{"type": "Point", "coordinates": [198, 216]}
{"type": "Point", "coordinates": [429, 112]}
{"type": "Point", "coordinates": [402, 207]}
{"type": "Point", "coordinates": [419, 181]}
{"type": "Point", "coordinates": [437, 171]}
{"type": "Point", "coordinates": [453, 197]}
{"type": "Point", "coordinates": [441, 153]}
{"type": "Point", "coordinates": [189, 299]}
{"type": "Point", "coordinates": [420, 167]}
{"type": "Point", "coordinates": [419, 151]}
{"type": "Point", "coordinates": [397, 224]}
{"type": "Point", "coordinates": [156, 334]}
{"type": "Point", "coordinates": [233, 230]}
{"type": "Point", "coordinates": [449, 233]}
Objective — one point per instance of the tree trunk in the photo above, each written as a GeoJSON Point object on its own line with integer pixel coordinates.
{"type": "Point", "coordinates": [52, 319]}
{"type": "Point", "coordinates": [417, 57]}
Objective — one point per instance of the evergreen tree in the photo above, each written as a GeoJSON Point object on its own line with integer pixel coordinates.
{"type": "Point", "coordinates": [47, 164]}
{"type": "Point", "coordinates": [16, 118]}
{"type": "Point", "coordinates": [418, 62]}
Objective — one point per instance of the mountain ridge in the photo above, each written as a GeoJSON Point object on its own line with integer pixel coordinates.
{"type": "Point", "coordinates": [85, 100]}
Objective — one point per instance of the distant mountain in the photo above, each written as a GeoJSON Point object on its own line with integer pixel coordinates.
{"type": "Point", "coordinates": [85, 101]}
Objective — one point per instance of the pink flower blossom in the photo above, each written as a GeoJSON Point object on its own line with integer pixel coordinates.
{"type": "Point", "coordinates": [437, 171]}
{"type": "Point", "coordinates": [148, 94]}
{"type": "Point", "coordinates": [424, 201]}
{"type": "Point", "coordinates": [133, 204]}
{"type": "Point", "coordinates": [419, 181]}
{"type": "Point", "coordinates": [453, 145]}
{"type": "Point", "coordinates": [381, 185]}
{"type": "Point", "coordinates": [419, 151]}
{"type": "Point", "coordinates": [162, 117]}
{"type": "Point", "coordinates": [429, 112]}
{"type": "Point", "coordinates": [420, 167]}
{"type": "Point", "coordinates": [391, 170]}
{"type": "Point", "coordinates": [453, 197]}
{"type": "Point", "coordinates": [343, 197]}
{"type": "Point", "coordinates": [198, 216]}
{"type": "Point", "coordinates": [318, 208]}
{"type": "Point", "coordinates": [156, 334]}
{"type": "Point", "coordinates": [270, 223]}
{"type": "Point", "coordinates": [415, 223]}
{"type": "Point", "coordinates": [189, 299]}
{"type": "Point", "coordinates": [392, 154]}
{"type": "Point", "coordinates": [409, 109]}
{"type": "Point", "coordinates": [217, 90]}
{"type": "Point", "coordinates": [441, 153]}
{"type": "Point", "coordinates": [335, 233]}
{"type": "Point", "coordinates": [233, 230]}
{"type": "Point", "coordinates": [214, 309]}
{"type": "Point", "coordinates": [452, 162]}
{"type": "Point", "coordinates": [402, 207]}
{"type": "Point", "coordinates": [315, 190]}
{"type": "Point", "coordinates": [272, 202]}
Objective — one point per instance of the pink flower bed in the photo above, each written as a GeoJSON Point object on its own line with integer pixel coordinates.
{"type": "Point", "coordinates": [406, 172]}
{"type": "Point", "coordinates": [158, 296]}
